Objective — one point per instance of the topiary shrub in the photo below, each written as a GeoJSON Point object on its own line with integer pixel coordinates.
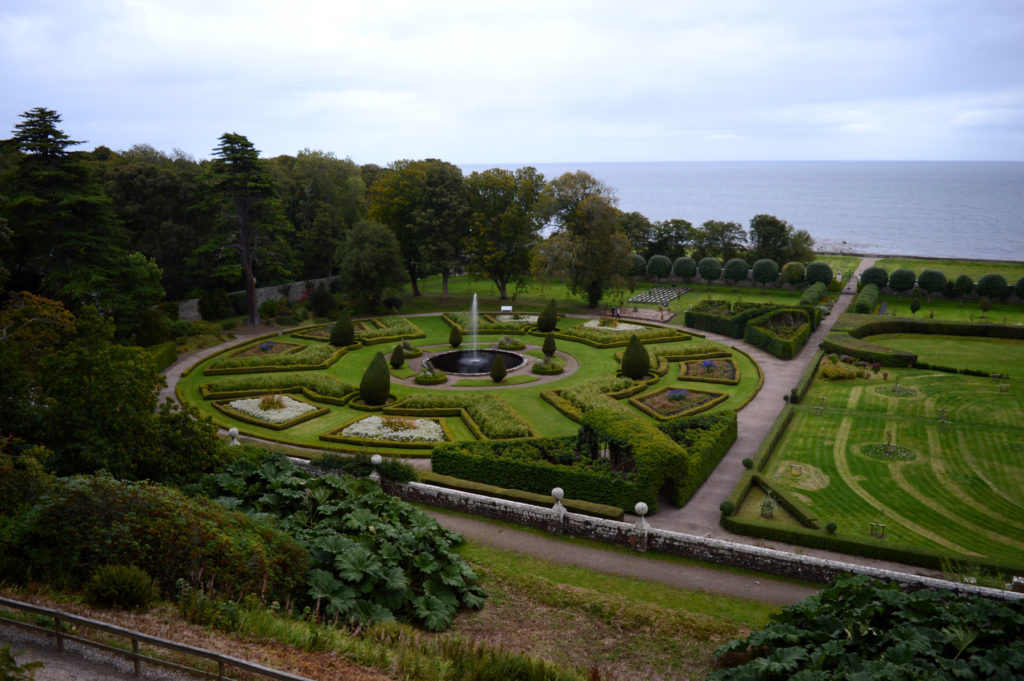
{"type": "Point", "coordinates": [343, 333]}
{"type": "Point", "coordinates": [549, 344]}
{"type": "Point", "coordinates": [548, 319]}
{"type": "Point", "coordinates": [120, 586]}
{"type": "Point", "coordinates": [878, 276]}
{"type": "Point", "coordinates": [685, 268]}
{"type": "Point", "coordinates": [659, 266]}
{"type": "Point", "coordinates": [735, 270]}
{"type": "Point", "coordinates": [793, 273]}
{"type": "Point", "coordinates": [963, 286]}
{"type": "Point", "coordinates": [1018, 289]}
{"type": "Point", "coordinates": [765, 271]}
{"type": "Point", "coordinates": [748, 462]}
{"type": "Point", "coordinates": [993, 286]}
{"type": "Point", "coordinates": [819, 271]}
{"type": "Point", "coordinates": [455, 337]}
{"type": "Point", "coordinates": [376, 382]}
{"type": "Point", "coordinates": [709, 269]}
{"type": "Point", "coordinates": [901, 281]}
{"type": "Point", "coordinates": [727, 507]}
{"type": "Point", "coordinates": [636, 362]}
{"type": "Point", "coordinates": [830, 528]}
{"type": "Point", "coordinates": [498, 369]}
{"type": "Point", "coordinates": [932, 281]}
{"type": "Point", "coordinates": [321, 302]}
{"type": "Point", "coordinates": [637, 265]}
{"type": "Point", "coordinates": [397, 357]}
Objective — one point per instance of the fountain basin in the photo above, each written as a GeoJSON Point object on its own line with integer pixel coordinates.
{"type": "Point", "coordinates": [473, 362]}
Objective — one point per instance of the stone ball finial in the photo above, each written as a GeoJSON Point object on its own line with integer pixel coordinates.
{"type": "Point", "coordinates": [640, 508]}
{"type": "Point", "coordinates": [558, 493]}
{"type": "Point", "coordinates": [376, 459]}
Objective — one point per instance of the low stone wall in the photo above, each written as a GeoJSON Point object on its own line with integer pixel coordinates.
{"type": "Point", "coordinates": [188, 310]}
{"type": "Point", "coordinates": [641, 537]}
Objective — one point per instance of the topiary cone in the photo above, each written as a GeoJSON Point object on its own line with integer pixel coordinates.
{"type": "Point", "coordinates": [455, 337]}
{"type": "Point", "coordinates": [376, 382]}
{"type": "Point", "coordinates": [549, 345]}
{"type": "Point", "coordinates": [635, 360]}
{"type": "Point", "coordinates": [343, 333]}
{"type": "Point", "coordinates": [548, 319]}
{"type": "Point", "coordinates": [397, 357]}
{"type": "Point", "coordinates": [498, 369]}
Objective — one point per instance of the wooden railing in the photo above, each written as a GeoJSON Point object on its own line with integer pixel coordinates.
{"type": "Point", "coordinates": [61, 630]}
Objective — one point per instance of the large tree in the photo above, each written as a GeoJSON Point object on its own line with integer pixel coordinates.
{"type": "Point", "coordinates": [670, 238]}
{"type": "Point", "coordinates": [715, 238]}
{"type": "Point", "coordinates": [424, 204]}
{"type": "Point", "coordinates": [506, 216]}
{"type": "Point", "coordinates": [370, 263]}
{"type": "Point", "coordinates": [239, 174]}
{"type": "Point", "coordinates": [777, 240]}
{"type": "Point", "coordinates": [592, 243]}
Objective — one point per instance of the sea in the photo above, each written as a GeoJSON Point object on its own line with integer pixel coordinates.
{"type": "Point", "coordinates": [956, 209]}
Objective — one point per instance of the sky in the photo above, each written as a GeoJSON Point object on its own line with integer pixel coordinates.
{"type": "Point", "coordinates": [525, 81]}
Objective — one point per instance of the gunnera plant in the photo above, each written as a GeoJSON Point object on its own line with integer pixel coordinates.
{"type": "Point", "coordinates": [635, 360]}
{"type": "Point", "coordinates": [376, 382]}
{"type": "Point", "coordinates": [120, 586]}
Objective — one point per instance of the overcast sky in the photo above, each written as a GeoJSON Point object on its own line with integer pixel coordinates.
{"type": "Point", "coordinates": [510, 81]}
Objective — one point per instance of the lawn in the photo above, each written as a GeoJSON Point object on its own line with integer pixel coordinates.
{"type": "Point", "coordinates": [521, 394]}
{"type": "Point", "coordinates": [1011, 271]}
{"type": "Point", "coordinates": [952, 310]}
{"type": "Point", "coordinates": [960, 490]}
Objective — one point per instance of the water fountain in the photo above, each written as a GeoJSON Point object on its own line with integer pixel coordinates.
{"type": "Point", "coordinates": [473, 361]}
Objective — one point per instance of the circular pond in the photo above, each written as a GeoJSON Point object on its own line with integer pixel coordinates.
{"type": "Point", "coordinates": [473, 362]}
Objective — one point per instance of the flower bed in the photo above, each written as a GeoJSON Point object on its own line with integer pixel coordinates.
{"type": "Point", "coordinates": [888, 451]}
{"type": "Point", "coordinates": [267, 347]}
{"type": "Point", "coordinates": [593, 334]}
{"type": "Point", "coordinates": [275, 411]}
{"type": "Point", "coordinates": [613, 325]}
{"type": "Point", "coordinates": [718, 370]}
{"type": "Point", "coordinates": [669, 403]}
{"type": "Point", "coordinates": [391, 430]}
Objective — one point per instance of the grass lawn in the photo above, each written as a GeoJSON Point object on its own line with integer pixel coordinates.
{"type": "Point", "coordinates": [952, 310]}
{"type": "Point", "coordinates": [976, 269]}
{"type": "Point", "coordinates": [520, 391]}
{"type": "Point", "coordinates": [962, 490]}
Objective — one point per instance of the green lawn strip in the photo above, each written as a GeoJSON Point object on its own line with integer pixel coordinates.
{"type": "Point", "coordinates": [993, 355]}
{"type": "Point", "coordinates": [517, 379]}
{"type": "Point", "coordinates": [944, 309]}
{"type": "Point", "coordinates": [976, 269]}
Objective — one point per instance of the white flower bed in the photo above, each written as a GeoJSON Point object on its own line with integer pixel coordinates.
{"type": "Point", "coordinates": [528, 318]}
{"type": "Point", "coordinates": [375, 428]}
{"type": "Point", "coordinates": [620, 326]}
{"type": "Point", "coordinates": [292, 409]}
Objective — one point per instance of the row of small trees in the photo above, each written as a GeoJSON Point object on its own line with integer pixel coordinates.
{"type": "Point", "coordinates": [764, 271]}
{"type": "Point", "coordinates": [934, 282]}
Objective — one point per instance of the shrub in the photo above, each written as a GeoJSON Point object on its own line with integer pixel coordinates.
{"type": "Point", "coordinates": [963, 286]}
{"type": "Point", "coordinates": [901, 281]}
{"type": "Point", "coordinates": [269, 308]}
{"type": "Point", "coordinates": [659, 266]}
{"type": "Point", "coordinates": [637, 265]}
{"type": "Point", "coordinates": [748, 463]}
{"type": "Point", "coordinates": [813, 294]}
{"type": "Point", "coordinates": [498, 369]}
{"type": "Point", "coordinates": [993, 286]}
{"type": "Point", "coordinates": [549, 345]}
{"type": "Point", "coordinates": [376, 382]}
{"type": "Point", "coordinates": [548, 319]}
{"type": "Point", "coordinates": [635, 360]}
{"type": "Point", "coordinates": [685, 268]}
{"type": "Point", "coordinates": [875, 275]}
{"type": "Point", "coordinates": [1018, 289]}
{"type": "Point", "coordinates": [819, 271]}
{"type": "Point", "coordinates": [727, 507]}
{"type": "Point", "coordinates": [398, 356]}
{"type": "Point", "coordinates": [793, 273]}
{"type": "Point", "coordinates": [735, 270]}
{"type": "Point", "coordinates": [120, 586]}
{"type": "Point", "coordinates": [153, 328]}
{"type": "Point", "coordinates": [321, 302]}
{"type": "Point", "coordinates": [867, 299]}
{"type": "Point", "coordinates": [343, 333]}
{"type": "Point", "coordinates": [830, 527]}
{"type": "Point", "coordinates": [765, 271]}
{"type": "Point", "coordinates": [709, 269]}
{"type": "Point", "coordinates": [214, 305]}
{"type": "Point", "coordinates": [932, 281]}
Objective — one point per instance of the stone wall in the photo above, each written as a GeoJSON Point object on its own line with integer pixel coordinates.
{"type": "Point", "coordinates": [642, 537]}
{"type": "Point", "coordinates": [295, 291]}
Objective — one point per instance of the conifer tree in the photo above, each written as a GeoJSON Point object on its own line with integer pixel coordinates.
{"type": "Point", "coordinates": [635, 360]}
{"type": "Point", "coordinates": [548, 319]}
{"type": "Point", "coordinates": [343, 333]}
{"type": "Point", "coordinates": [376, 382]}
{"type": "Point", "coordinates": [498, 369]}
{"type": "Point", "coordinates": [397, 357]}
{"type": "Point", "coordinates": [549, 345]}
{"type": "Point", "coordinates": [455, 337]}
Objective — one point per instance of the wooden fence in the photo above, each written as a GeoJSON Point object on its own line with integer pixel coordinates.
{"type": "Point", "coordinates": [60, 628]}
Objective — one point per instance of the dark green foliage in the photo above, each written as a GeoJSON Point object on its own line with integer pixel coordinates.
{"type": "Point", "coordinates": [709, 269]}
{"type": "Point", "coordinates": [765, 271]}
{"type": "Point", "coordinates": [932, 281]}
{"type": "Point", "coordinates": [993, 286]}
{"type": "Point", "coordinates": [359, 465]}
{"type": "Point", "coordinates": [397, 357]}
{"type": "Point", "coordinates": [735, 270]}
{"type": "Point", "coordinates": [79, 524]}
{"type": "Point", "coordinates": [10, 670]}
{"type": "Point", "coordinates": [719, 316]}
{"type": "Point", "coordinates": [635, 360]}
{"type": "Point", "coordinates": [637, 265]}
{"type": "Point", "coordinates": [915, 304]}
{"type": "Point", "coordinates": [164, 355]}
{"type": "Point", "coordinates": [659, 266]}
{"type": "Point", "coordinates": [781, 332]}
{"type": "Point", "coordinates": [819, 271]}
{"type": "Point", "coordinates": [548, 319]}
{"type": "Point", "coordinates": [705, 439]}
{"type": "Point", "coordinates": [845, 344]}
{"type": "Point", "coordinates": [831, 527]}
{"type": "Point", "coordinates": [120, 586]}
{"type": "Point", "coordinates": [498, 371]}
{"type": "Point", "coordinates": [455, 337]}
{"type": "Point", "coordinates": [858, 628]}
{"type": "Point", "coordinates": [549, 345]}
{"type": "Point", "coordinates": [214, 305]}
{"type": "Point", "coordinates": [867, 300]}
{"type": "Point", "coordinates": [1018, 289]}
{"type": "Point", "coordinates": [748, 462]}
{"type": "Point", "coordinates": [321, 302]}
{"type": "Point", "coordinates": [375, 385]}
{"type": "Point", "coordinates": [902, 280]}
{"type": "Point", "coordinates": [727, 507]}
{"type": "Point", "coordinates": [685, 268]}
{"type": "Point", "coordinates": [793, 273]}
{"type": "Point", "coordinates": [878, 276]}
{"type": "Point", "coordinates": [374, 558]}
{"type": "Point", "coordinates": [963, 286]}
{"type": "Point", "coordinates": [370, 263]}
{"type": "Point", "coordinates": [813, 294]}
{"type": "Point", "coordinates": [152, 328]}
{"type": "Point", "coordinates": [343, 333]}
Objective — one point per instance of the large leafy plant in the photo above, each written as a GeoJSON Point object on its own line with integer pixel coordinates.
{"type": "Point", "coordinates": [375, 558]}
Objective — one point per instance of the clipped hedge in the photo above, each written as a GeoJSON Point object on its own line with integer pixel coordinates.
{"type": "Point", "coordinates": [599, 338]}
{"type": "Point", "coordinates": [572, 505]}
{"type": "Point", "coordinates": [803, 384]}
{"type": "Point", "coordinates": [718, 316]}
{"type": "Point", "coordinates": [759, 334]}
{"type": "Point", "coordinates": [845, 344]}
{"type": "Point", "coordinates": [164, 354]}
{"type": "Point", "coordinates": [814, 293]}
{"type": "Point", "coordinates": [312, 358]}
{"type": "Point", "coordinates": [867, 299]}
{"type": "Point", "coordinates": [489, 417]}
{"type": "Point", "coordinates": [934, 326]}
{"type": "Point", "coordinates": [706, 439]}
{"type": "Point", "coordinates": [317, 387]}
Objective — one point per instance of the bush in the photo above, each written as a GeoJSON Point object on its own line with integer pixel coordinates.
{"type": "Point", "coordinates": [867, 299]}
{"type": "Point", "coordinates": [932, 281]}
{"type": "Point", "coordinates": [963, 286]}
{"type": "Point", "coordinates": [765, 271]}
{"type": "Point", "coordinates": [455, 337]}
{"type": "Point", "coordinates": [781, 332]}
{"type": "Point", "coordinates": [709, 269]}
{"type": "Point", "coordinates": [549, 345]}
{"type": "Point", "coordinates": [397, 357]}
{"type": "Point", "coordinates": [748, 463]}
{"type": "Point", "coordinates": [498, 369]}
{"type": "Point", "coordinates": [270, 308]}
{"type": "Point", "coordinates": [153, 328]}
{"type": "Point", "coordinates": [819, 271]}
{"type": "Point", "coordinates": [214, 305]}
{"type": "Point", "coordinates": [736, 270]}
{"type": "Point", "coordinates": [685, 268]}
{"type": "Point", "coordinates": [120, 586]}
{"type": "Point", "coordinates": [993, 286]}
{"type": "Point", "coordinates": [813, 294]}
{"type": "Point", "coordinates": [875, 275]}
{"type": "Point", "coordinates": [1018, 289]}
{"type": "Point", "coordinates": [375, 385]}
{"type": "Point", "coordinates": [901, 281]}
{"type": "Point", "coordinates": [793, 273]}
{"type": "Point", "coordinates": [321, 302]}
{"type": "Point", "coordinates": [548, 319]}
{"type": "Point", "coordinates": [831, 528]}
{"type": "Point", "coordinates": [637, 265]}
{"type": "Point", "coordinates": [164, 355]}
{"type": "Point", "coordinates": [635, 360]}
{"type": "Point", "coordinates": [727, 507]}
{"type": "Point", "coordinates": [659, 266]}
{"type": "Point", "coordinates": [343, 333]}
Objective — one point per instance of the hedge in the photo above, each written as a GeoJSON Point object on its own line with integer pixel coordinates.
{"type": "Point", "coordinates": [867, 299]}
{"type": "Point", "coordinates": [933, 326]}
{"type": "Point", "coordinates": [706, 439]}
{"type": "Point", "coordinates": [845, 344]}
{"type": "Point", "coordinates": [717, 316]}
{"type": "Point", "coordinates": [572, 505]}
{"type": "Point", "coordinates": [683, 376]}
{"type": "Point", "coordinates": [164, 354]}
{"type": "Point", "coordinates": [618, 339]}
{"type": "Point", "coordinates": [224, 367]}
{"type": "Point", "coordinates": [760, 335]}
{"type": "Point", "coordinates": [803, 384]}
{"type": "Point", "coordinates": [814, 293]}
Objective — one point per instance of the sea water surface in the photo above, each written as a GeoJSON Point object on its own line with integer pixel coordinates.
{"type": "Point", "coordinates": [961, 209]}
